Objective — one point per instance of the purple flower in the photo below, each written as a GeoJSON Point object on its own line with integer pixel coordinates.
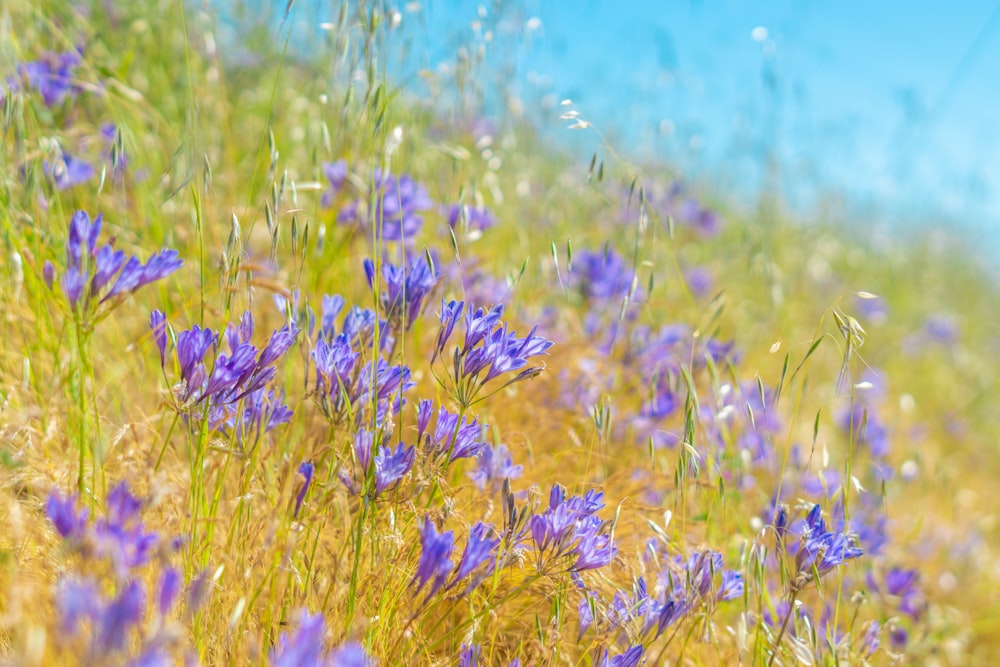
{"type": "Point", "coordinates": [235, 390]}
{"type": "Point", "coordinates": [51, 76]}
{"type": "Point", "coordinates": [136, 275]}
{"type": "Point", "coordinates": [107, 264]}
{"type": "Point", "coordinates": [305, 647]}
{"type": "Point", "coordinates": [405, 289]}
{"type": "Point", "coordinates": [820, 550]}
{"type": "Point", "coordinates": [450, 312]}
{"type": "Point", "coordinates": [123, 613]}
{"type": "Point", "coordinates": [570, 527]}
{"type": "Point", "coordinates": [69, 520]}
{"type": "Point", "coordinates": [306, 470]}
{"type": "Point", "coordinates": [454, 439]}
{"type": "Point", "coordinates": [76, 601]}
{"type": "Point", "coordinates": [435, 564]}
{"type": "Point", "coordinates": [489, 350]}
{"type": "Point", "coordinates": [903, 587]}
{"type": "Point", "coordinates": [481, 548]}
{"type": "Point", "coordinates": [336, 174]}
{"type": "Point", "coordinates": [469, 657]}
{"type": "Point", "coordinates": [870, 641]}
{"type": "Point", "coordinates": [390, 466]}
{"type": "Point", "coordinates": [68, 171]}
{"type": "Point", "coordinates": [630, 658]}
{"type": "Point", "coordinates": [494, 465]}
{"type": "Point", "coordinates": [399, 202]}
{"type": "Point", "coordinates": [600, 276]}
{"type": "Point", "coordinates": [170, 588]}
{"type": "Point", "coordinates": [477, 218]}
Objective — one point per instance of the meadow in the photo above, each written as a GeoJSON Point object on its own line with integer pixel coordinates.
{"type": "Point", "coordinates": [300, 367]}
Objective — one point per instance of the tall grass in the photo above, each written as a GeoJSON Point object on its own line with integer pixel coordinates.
{"type": "Point", "coordinates": [751, 441]}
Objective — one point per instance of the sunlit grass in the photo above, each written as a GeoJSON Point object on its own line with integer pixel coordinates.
{"type": "Point", "coordinates": [641, 397]}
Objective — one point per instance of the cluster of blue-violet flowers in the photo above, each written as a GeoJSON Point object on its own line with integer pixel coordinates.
{"type": "Point", "coordinates": [569, 532]}
{"type": "Point", "coordinates": [600, 277]}
{"type": "Point", "coordinates": [817, 550]}
{"type": "Point", "coordinates": [353, 379]}
{"type": "Point", "coordinates": [234, 395]}
{"type": "Point", "coordinates": [94, 279]}
{"type": "Point", "coordinates": [404, 289]}
{"type": "Point", "coordinates": [308, 646]}
{"type": "Point", "coordinates": [100, 615]}
{"type": "Point", "coordinates": [476, 218]}
{"type": "Point", "coordinates": [381, 467]}
{"type": "Point", "coordinates": [478, 560]}
{"type": "Point", "coordinates": [489, 349]}
{"type": "Point", "coordinates": [393, 207]}
{"type": "Point", "coordinates": [452, 438]}
{"type": "Point", "coordinates": [52, 76]}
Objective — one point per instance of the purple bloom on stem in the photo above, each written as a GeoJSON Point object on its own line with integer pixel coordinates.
{"type": "Point", "coordinates": [72, 283]}
{"type": "Point", "coordinates": [477, 218]}
{"type": "Point", "coordinates": [435, 564]}
{"type": "Point", "coordinates": [400, 201]}
{"type": "Point", "coordinates": [306, 470]}
{"type": "Point", "coordinates": [120, 615]}
{"type": "Point", "coordinates": [136, 275]}
{"type": "Point", "coordinates": [820, 550]}
{"type": "Point", "coordinates": [123, 507]}
{"type": "Point", "coordinates": [48, 273]}
{"type": "Point", "coordinates": [600, 276]}
{"type": "Point", "coordinates": [305, 647]}
{"type": "Point", "coordinates": [870, 641]}
{"type": "Point", "coordinates": [481, 548]}
{"type": "Point", "coordinates": [69, 520]}
{"type": "Point", "coordinates": [170, 588]}
{"type": "Point", "coordinates": [469, 657]}
{"type": "Point", "coordinates": [158, 324]}
{"type": "Point", "coordinates": [495, 465]}
{"type": "Point", "coordinates": [76, 601]}
{"type": "Point", "coordinates": [336, 174]}
{"type": "Point", "coordinates": [404, 289]}
{"type": "Point", "coordinates": [629, 658]}
{"type": "Point", "coordinates": [52, 76]}
{"type": "Point", "coordinates": [450, 312]}
{"type": "Point", "coordinates": [457, 440]}
{"type": "Point", "coordinates": [390, 466]}
{"type": "Point", "coordinates": [68, 171]}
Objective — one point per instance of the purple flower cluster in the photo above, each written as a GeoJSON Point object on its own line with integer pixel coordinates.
{"type": "Point", "coordinates": [600, 277]}
{"type": "Point", "coordinates": [346, 384]}
{"type": "Point", "coordinates": [494, 465]}
{"type": "Point", "coordinates": [488, 350]}
{"type": "Point", "coordinates": [381, 467]}
{"type": "Point", "coordinates": [97, 620]}
{"type": "Point", "coordinates": [451, 438]}
{"type": "Point", "coordinates": [96, 276]}
{"type": "Point", "coordinates": [818, 550]}
{"type": "Point", "coordinates": [51, 76]}
{"type": "Point", "coordinates": [698, 582]}
{"type": "Point", "coordinates": [67, 171]}
{"type": "Point", "coordinates": [404, 290]}
{"type": "Point", "coordinates": [861, 421]}
{"type": "Point", "coordinates": [476, 217]}
{"type": "Point", "coordinates": [307, 646]}
{"type": "Point", "coordinates": [435, 562]}
{"type": "Point", "coordinates": [399, 202]}
{"type": "Point", "coordinates": [570, 532]}
{"type": "Point", "coordinates": [234, 395]}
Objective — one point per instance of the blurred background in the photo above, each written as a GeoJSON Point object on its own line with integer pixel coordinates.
{"type": "Point", "coordinates": [867, 112]}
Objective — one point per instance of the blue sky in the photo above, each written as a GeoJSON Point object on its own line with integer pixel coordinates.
{"type": "Point", "coordinates": [894, 104]}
